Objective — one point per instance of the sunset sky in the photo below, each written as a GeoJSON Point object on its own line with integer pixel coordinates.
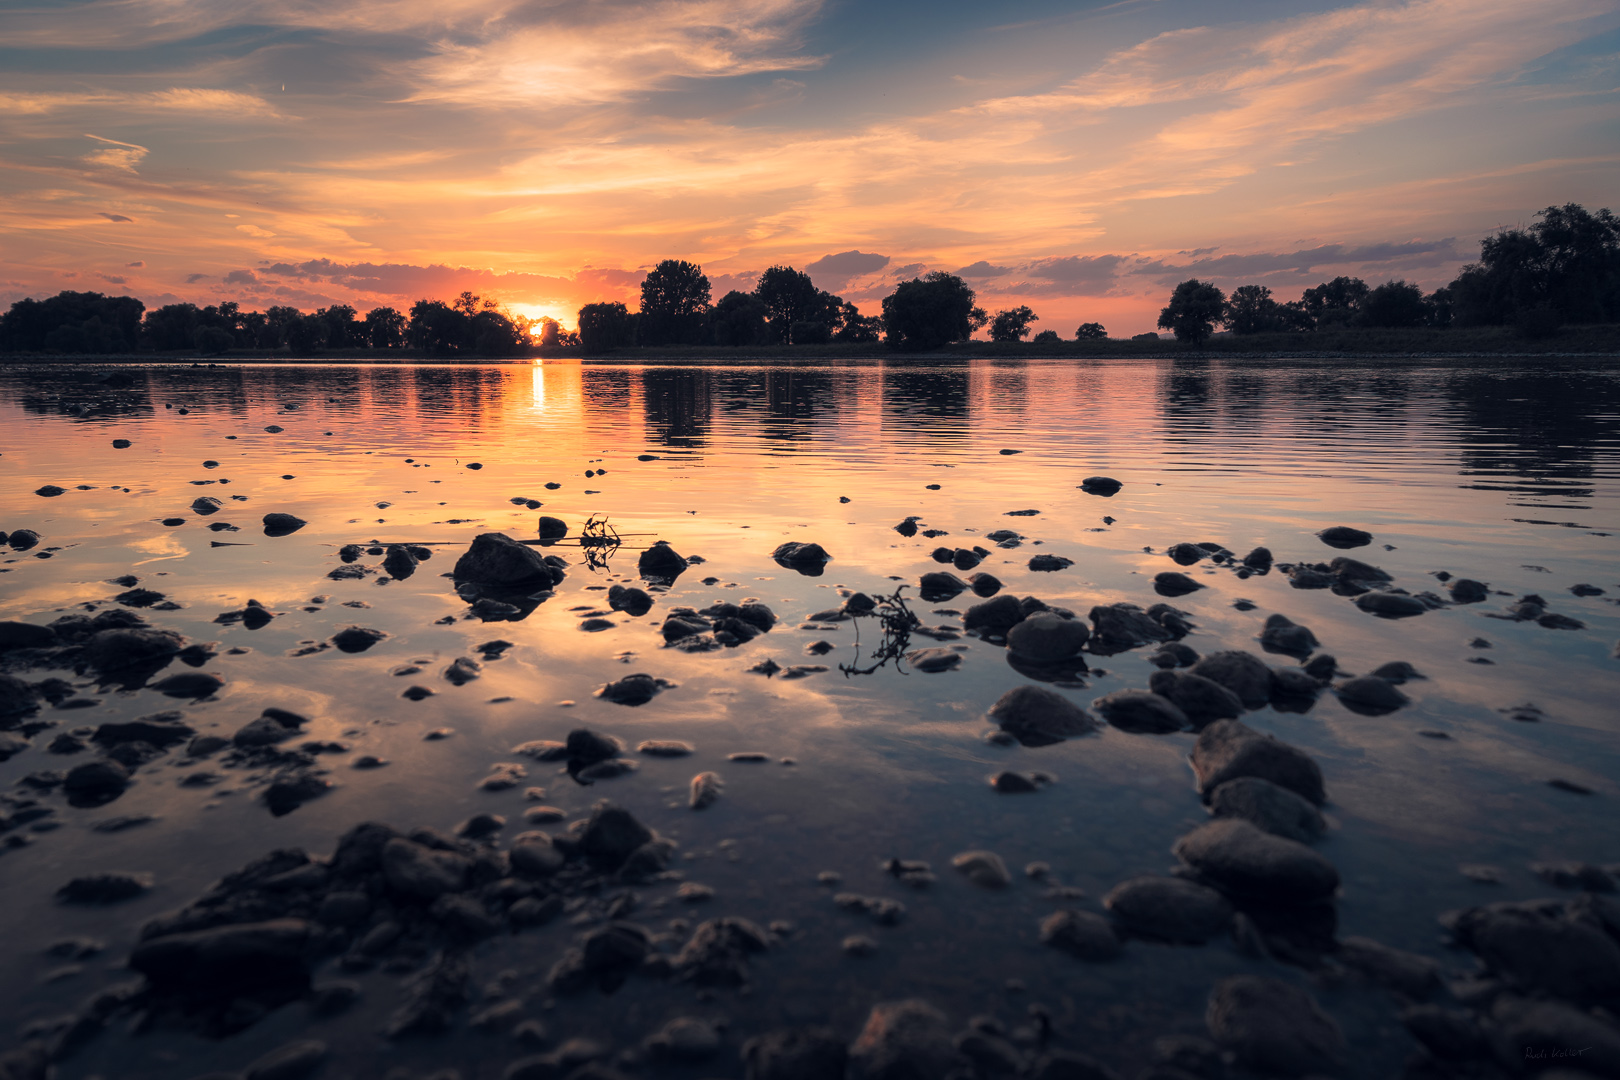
{"type": "Point", "coordinates": [1079, 157]}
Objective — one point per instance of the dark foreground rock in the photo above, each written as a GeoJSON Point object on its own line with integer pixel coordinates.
{"type": "Point", "coordinates": [1542, 946]}
{"type": "Point", "coordinates": [496, 560]}
{"type": "Point", "coordinates": [1047, 638]}
{"type": "Point", "coordinates": [1274, 1027]}
{"type": "Point", "coordinates": [904, 1040]}
{"type": "Point", "coordinates": [795, 1054]}
{"type": "Point", "coordinates": [808, 559]}
{"type": "Point", "coordinates": [1140, 712]}
{"type": "Point", "coordinates": [1036, 716]}
{"type": "Point", "coordinates": [1242, 860]}
{"type": "Point", "coordinates": [661, 563]}
{"type": "Point", "coordinates": [1170, 909]}
{"type": "Point", "coordinates": [1268, 806]}
{"type": "Point", "coordinates": [1081, 934]}
{"type": "Point", "coordinates": [1228, 749]}
{"type": "Point", "coordinates": [279, 524]}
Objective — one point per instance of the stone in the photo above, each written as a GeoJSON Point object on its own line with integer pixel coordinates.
{"type": "Point", "coordinates": [422, 873]}
{"type": "Point", "coordinates": [810, 1053]}
{"type": "Point", "coordinates": [1274, 1027]}
{"type": "Point", "coordinates": [23, 539]}
{"type": "Point", "coordinates": [1243, 673]}
{"type": "Point", "coordinates": [107, 887]}
{"type": "Point", "coordinates": [706, 789]}
{"type": "Point", "coordinates": [718, 950]}
{"type": "Point", "coordinates": [585, 745]}
{"type": "Point", "coordinates": [807, 559]}
{"type": "Point", "coordinates": [1081, 934]}
{"type": "Point", "coordinates": [611, 834]}
{"type": "Point", "coordinates": [1036, 716]}
{"type": "Point", "coordinates": [357, 639]}
{"type": "Point", "coordinates": [291, 789]}
{"type": "Point", "coordinates": [1169, 909]}
{"type": "Point", "coordinates": [940, 585]}
{"type": "Point", "coordinates": [1406, 973]}
{"type": "Point", "coordinates": [1343, 536]}
{"type": "Point", "coordinates": [496, 560]}
{"type": "Point", "coordinates": [1064, 1065]}
{"type": "Point", "coordinates": [1201, 699]}
{"type": "Point", "coordinates": [1185, 554]}
{"type": "Point", "coordinates": [1258, 559]}
{"type": "Point", "coordinates": [112, 651]}
{"type": "Point", "coordinates": [934, 661]}
{"type": "Point", "coordinates": [1468, 591]}
{"type": "Point", "coordinates": [1140, 712]}
{"type": "Point", "coordinates": [635, 601]}
{"type": "Point", "coordinates": [637, 689]}
{"type": "Point", "coordinates": [1049, 563]}
{"type": "Point", "coordinates": [1228, 749]}
{"type": "Point", "coordinates": [983, 868]}
{"type": "Point", "coordinates": [1542, 946]}
{"type": "Point", "coordinates": [985, 584]}
{"type": "Point", "coordinates": [1238, 858]}
{"type": "Point", "coordinates": [1106, 486]}
{"type": "Point", "coordinates": [1293, 687]}
{"type": "Point", "coordinates": [1283, 635]}
{"type": "Point", "coordinates": [1275, 809]}
{"type": "Point", "coordinates": [552, 528]}
{"type": "Point", "coordinates": [995, 618]}
{"type": "Point", "coordinates": [224, 959]}
{"type": "Point", "coordinates": [1014, 783]}
{"type": "Point", "coordinates": [21, 635]}
{"type": "Point", "coordinates": [279, 524]}
{"type": "Point", "coordinates": [665, 748]}
{"type": "Point", "coordinates": [189, 684]}
{"type": "Point", "coordinates": [1372, 695]}
{"type": "Point", "coordinates": [294, 1061]}
{"type": "Point", "coordinates": [1174, 583]}
{"type": "Point", "coordinates": [1552, 1031]}
{"type": "Point", "coordinates": [904, 1040]}
{"type": "Point", "coordinates": [1047, 638]}
{"type": "Point", "coordinates": [685, 1039]}
{"type": "Point", "coordinates": [160, 729]}
{"type": "Point", "coordinates": [1125, 626]}
{"type": "Point", "coordinates": [1448, 1034]}
{"type": "Point", "coordinates": [95, 782]}
{"type": "Point", "coordinates": [1390, 605]}
{"type": "Point", "coordinates": [399, 563]}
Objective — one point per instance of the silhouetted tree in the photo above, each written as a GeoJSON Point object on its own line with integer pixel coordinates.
{"type": "Point", "coordinates": [1047, 337]}
{"type": "Point", "coordinates": [1091, 331]}
{"type": "Point", "coordinates": [1568, 261]}
{"type": "Point", "coordinates": [383, 328]}
{"type": "Point", "coordinates": [1334, 303]}
{"type": "Point", "coordinates": [549, 331]}
{"type": "Point", "coordinates": [495, 333]}
{"type": "Point", "coordinates": [674, 305]}
{"type": "Point", "coordinates": [171, 327]}
{"type": "Point", "coordinates": [855, 327]}
{"type": "Point", "coordinates": [1440, 306]}
{"type": "Point", "coordinates": [213, 340]}
{"type": "Point", "coordinates": [277, 322]}
{"type": "Point", "coordinates": [341, 331]}
{"type": "Point", "coordinates": [436, 327]}
{"type": "Point", "coordinates": [927, 312]}
{"type": "Point", "coordinates": [1012, 324]}
{"type": "Point", "coordinates": [308, 335]}
{"type": "Point", "coordinates": [808, 332]}
{"type": "Point", "coordinates": [789, 297]}
{"type": "Point", "coordinates": [605, 327]}
{"type": "Point", "coordinates": [1394, 304]}
{"type": "Point", "coordinates": [81, 322]}
{"type": "Point", "coordinates": [739, 319]}
{"type": "Point", "coordinates": [1194, 308]}
{"type": "Point", "coordinates": [1251, 310]}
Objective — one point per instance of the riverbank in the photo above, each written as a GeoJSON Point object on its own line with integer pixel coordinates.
{"type": "Point", "coordinates": [1423, 343]}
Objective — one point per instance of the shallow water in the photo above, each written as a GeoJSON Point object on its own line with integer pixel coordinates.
{"type": "Point", "coordinates": [1504, 472]}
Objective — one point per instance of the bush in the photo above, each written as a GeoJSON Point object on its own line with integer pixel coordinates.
{"type": "Point", "coordinates": [1150, 336]}
{"type": "Point", "coordinates": [1047, 337]}
{"type": "Point", "coordinates": [1092, 331]}
{"type": "Point", "coordinates": [1537, 323]}
{"type": "Point", "coordinates": [1193, 310]}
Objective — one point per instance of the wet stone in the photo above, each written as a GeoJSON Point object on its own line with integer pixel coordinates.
{"type": "Point", "coordinates": [1371, 695]}
{"type": "Point", "coordinates": [1274, 1027]}
{"type": "Point", "coordinates": [903, 1040]}
{"type": "Point", "coordinates": [934, 661]}
{"type": "Point", "coordinates": [637, 689]}
{"type": "Point", "coordinates": [795, 1054]}
{"type": "Point", "coordinates": [1081, 934]}
{"type": "Point", "coordinates": [104, 888]}
{"type": "Point", "coordinates": [1275, 809]}
{"type": "Point", "coordinates": [279, 524]}
{"type": "Point", "coordinates": [1238, 858]}
{"type": "Point", "coordinates": [1169, 909]}
{"type": "Point", "coordinates": [1036, 716]}
{"type": "Point", "coordinates": [1140, 712]}
{"type": "Point", "coordinates": [1228, 749]}
{"type": "Point", "coordinates": [983, 868]}
{"type": "Point", "coordinates": [1243, 673]}
{"type": "Point", "coordinates": [1048, 563]}
{"type": "Point", "coordinates": [1174, 583]}
{"type": "Point", "coordinates": [705, 790]}
{"type": "Point", "coordinates": [1283, 635]}
{"type": "Point", "coordinates": [357, 639]}
{"type": "Point", "coordinates": [1542, 946]}
{"type": "Point", "coordinates": [1390, 605]}
{"type": "Point", "coordinates": [1201, 699]}
{"type": "Point", "coordinates": [1126, 626]}
{"type": "Point", "coordinates": [1047, 638]}
{"type": "Point", "coordinates": [1343, 536]}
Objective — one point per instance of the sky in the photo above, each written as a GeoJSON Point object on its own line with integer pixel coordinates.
{"type": "Point", "coordinates": [1079, 157]}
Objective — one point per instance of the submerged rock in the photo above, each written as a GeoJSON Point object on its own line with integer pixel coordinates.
{"type": "Point", "coordinates": [1542, 946]}
{"type": "Point", "coordinates": [995, 617]}
{"type": "Point", "coordinates": [1036, 716]}
{"type": "Point", "coordinates": [661, 563]}
{"type": "Point", "coordinates": [278, 524]}
{"type": "Point", "coordinates": [1273, 808]}
{"type": "Point", "coordinates": [934, 660]}
{"type": "Point", "coordinates": [637, 689]}
{"type": "Point", "coordinates": [1174, 583]}
{"type": "Point", "coordinates": [1468, 591]}
{"type": "Point", "coordinates": [1390, 605]}
{"type": "Point", "coordinates": [1283, 635]}
{"type": "Point", "coordinates": [1228, 749]}
{"type": "Point", "coordinates": [808, 559]}
{"type": "Point", "coordinates": [1243, 673]}
{"type": "Point", "coordinates": [1105, 486]}
{"type": "Point", "coordinates": [357, 639]}
{"type": "Point", "coordinates": [1081, 934]}
{"type": "Point", "coordinates": [1125, 626]}
{"type": "Point", "coordinates": [495, 560]}
{"type": "Point", "coordinates": [1240, 859]}
{"type": "Point", "coordinates": [1047, 638]}
{"type": "Point", "coordinates": [1201, 699]}
{"type": "Point", "coordinates": [1040, 563]}
{"type": "Point", "coordinates": [1170, 909]}
{"type": "Point", "coordinates": [983, 868]}
{"type": "Point", "coordinates": [1371, 695]}
{"type": "Point", "coordinates": [1343, 536]}
{"type": "Point", "coordinates": [1274, 1027]}
{"type": "Point", "coordinates": [904, 1040]}
{"type": "Point", "coordinates": [1140, 712]}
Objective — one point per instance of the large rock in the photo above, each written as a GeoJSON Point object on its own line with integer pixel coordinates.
{"type": "Point", "coordinates": [1390, 605]}
{"type": "Point", "coordinates": [496, 560]}
{"type": "Point", "coordinates": [661, 563]}
{"type": "Point", "coordinates": [422, 873]}
{"type": "Point", "coordinates": [1081, 934]}
{"type": "Point", "coordinates": [1371, 695]}
{"type": "Point", "coordinates": [21, 635]}
{"type": "Point", "coordinates": [611, 834]}
{"type": "Point", "coordinates": [1228, 749]}
{"type": "Point", "coordinates": [941, 585]}
{"type": "Point", "coordinates": [1542, 946]}
{"type": "Point", "coordinates": [808, 559]}
{"type": "Point", "coordinates": [1274, 1027]}
{"type": "Point", "coordinates": [1552, 1032]}
{"type": "Point", "coordinates": [110, 652]}
{"type": "Point", "coordinates": [1283, 635]}
{"type": "Point", "coordinates": [1202, 699]}
{"type": "Point", "coordinates": [159, 729]}
{"type": "Point", "coordinates": [1243, 673]}
{"type": "Point", "coordinates": [1125, 626]}
{"type": "Point", "coordinates": [994, 617]}
{"type": "Point", "coordinates": [17, 698]}
{"type": "Point", "coordinates": [1406, 973]}
{"type": "Point", "coordinates": [1240, 859]}
{"type": "Point", "coordinates": [1140, 712]}
{"type": "Point", "coordinates": [1036, 716]}
{"type": "Point", "coordinates": [227, 958]}
{"type": "Point", "coordinates": [717, 952]}
{"type": "Point", "coordinates": [904, 1040]}
{"type": "Point", "coordinates": [1343, 536]}
{"type": "Point", "coordinates": [795, 1054]}
{"type": "Point", "coordinates": [1047, 638]}
{"type": "Point", "coordinates": [1275, 809]}
{"type": "Point", "coordinates": [1170, 909]}
{"type": "Point", "coordinates": [279, 524]}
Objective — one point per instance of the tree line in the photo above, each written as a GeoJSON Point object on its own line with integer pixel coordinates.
{"type": "Point", "coordinates": [1564, 268]}
{"type": "Point", "coordinates": [89, 322]}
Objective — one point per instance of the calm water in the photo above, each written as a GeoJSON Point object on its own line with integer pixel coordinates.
{"type": "Point", "coordinates": [1505, 473]}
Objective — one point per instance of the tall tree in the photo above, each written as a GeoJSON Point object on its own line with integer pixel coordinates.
{"type": "Point", "coordinates": [1334, 303]}
{"type": "Point", "coordinates": [1012, 324]}
{"type": "Point", "coordinates": [927, 312]}
{"type": "Point", "coordinates": [1091, 331]}
{"type": "Point", "coordinates": [437, 328]}
{"type": "Point", "coordinates": [789, 297]}
{"type": "Point", "coordinates": [739, 319]}
{"type": "Point", "coordinates": [604, 327]}
{"type": "Point", "coordinates": [674, 305]}
{"type": "Point", "coordinates": [383, 328]}
{"type": "Point", "coordinates": [1251, 310]}
{"type": "Point", "coordinates": [86, 322]}
{"type": "Point", "coordinates": [1394, 304]}
{"type": "Point", "coordinates": [1194, 308]}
